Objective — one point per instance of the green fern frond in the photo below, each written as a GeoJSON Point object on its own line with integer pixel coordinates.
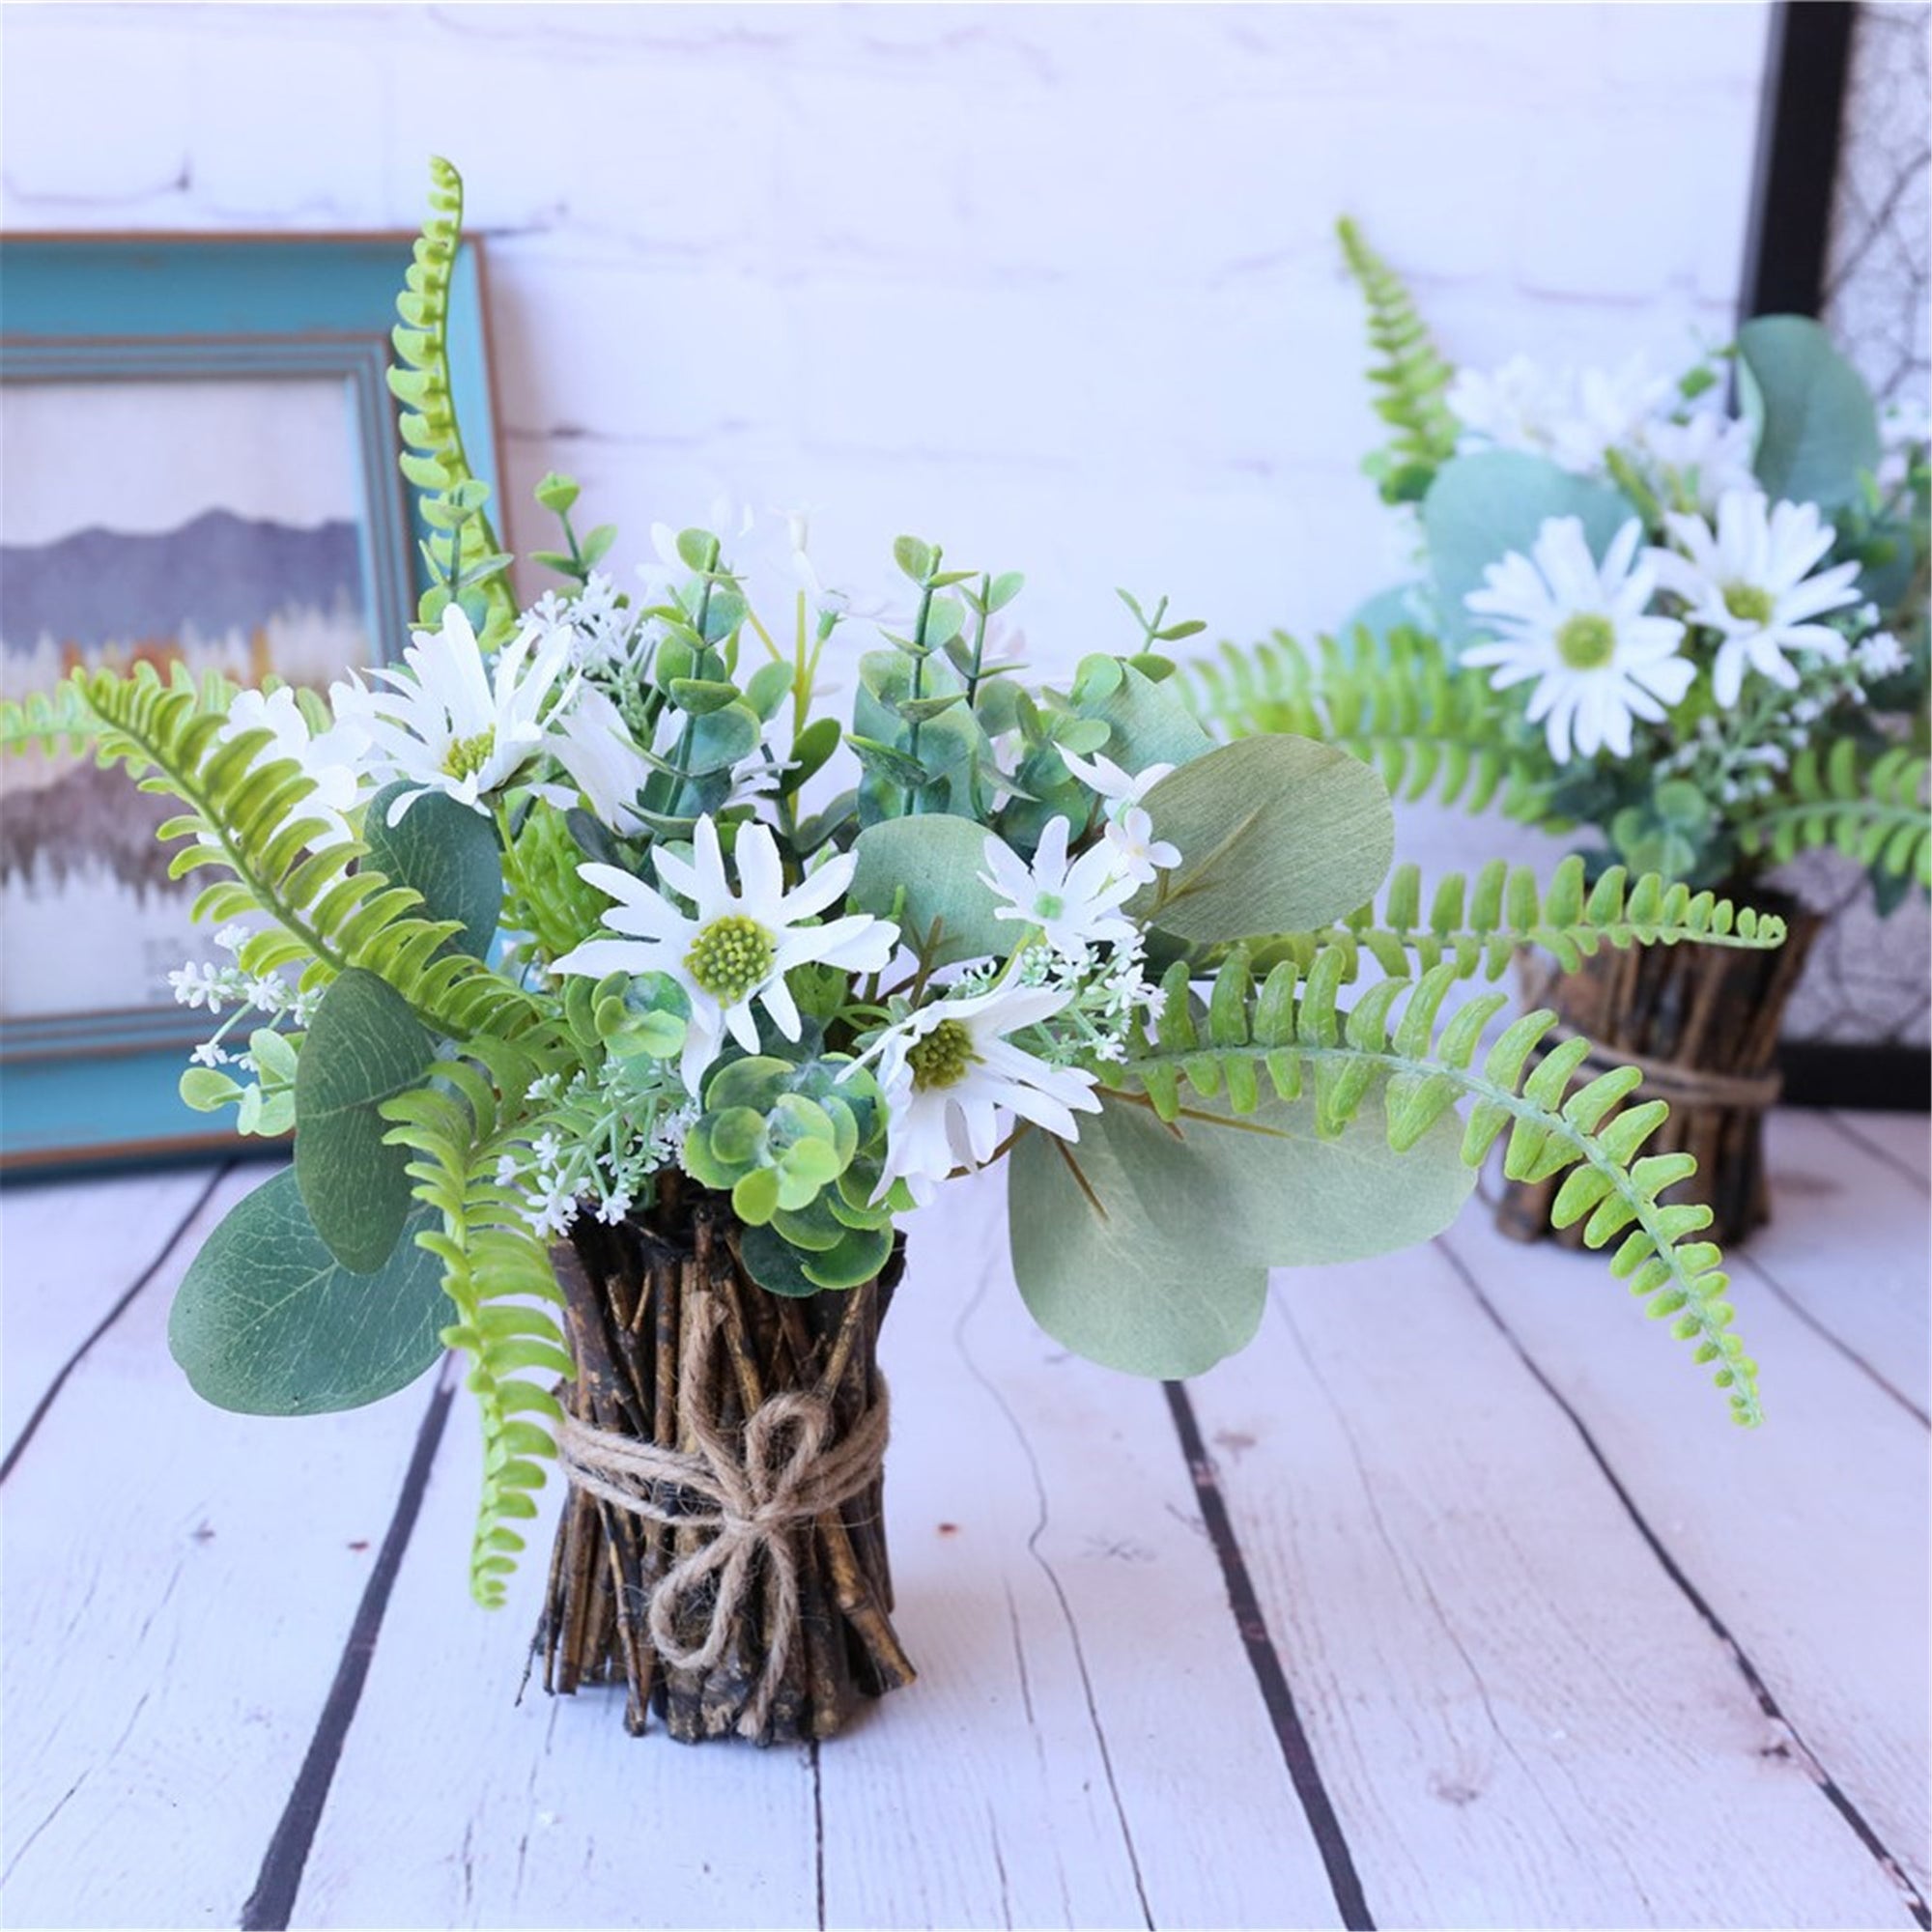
{"type": "Point", "coordinates": [452, 499]}
{"type": "Point", "coordinates": [1478, 926]}
{"type": "Point", "coordinates": [251, 816]}
{"type": "Point", "coordinates": [1288, 1033]}
{"type": "Point", "coordinates": [1410, 375]}
{"type": "Point", "coordinates": [497, 1274]}
{"type": "Point", "coordinates": [46, 721]}
{"type": "Point", "coordinates": [1874, 812]}
{"type": "Point", "coordinates": [1431, 729]}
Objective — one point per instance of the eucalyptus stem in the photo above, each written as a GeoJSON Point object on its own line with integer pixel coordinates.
{"type": "Point", "coordinates": [919, 623]}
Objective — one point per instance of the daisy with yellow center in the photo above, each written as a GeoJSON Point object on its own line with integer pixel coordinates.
{"type": "Point", "coordinates": [1580, 630]}
{"type": "Point", "coordinates": [734, 948]}
{"type": "Point", "coordinates": [455, 723]}
{"type": "Point", "coordinates": [1754, 581]}
{"type": "Point", "coordinates": [950, 1075]}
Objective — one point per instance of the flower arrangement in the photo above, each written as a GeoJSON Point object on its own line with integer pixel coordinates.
{"type": "Point", "coordinates": [1691, 628]}
{"type": "Point", "coordinates": [595, 965]}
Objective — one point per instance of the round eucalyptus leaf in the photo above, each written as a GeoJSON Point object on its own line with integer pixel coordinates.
{"type": "Point", "coordinates": [267, 1321]}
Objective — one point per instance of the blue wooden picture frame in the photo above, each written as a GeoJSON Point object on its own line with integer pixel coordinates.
{"type": "Point", "coordinates": [100, 1089]}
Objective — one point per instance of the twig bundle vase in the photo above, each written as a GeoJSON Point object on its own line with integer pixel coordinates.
{"type": "Point", "coordinates": [1702, 1023]}
{"type": "Point", "coordinates": [721, 1551]}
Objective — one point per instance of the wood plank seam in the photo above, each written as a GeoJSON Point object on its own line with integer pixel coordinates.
{"type": "Point", "coordinates": [1828, 1786]}
{"type": "Point", "coordinates": [817, 1830]}
{"type": "Point", "coordinates": [51, 1394]}
{"type": "Point", "coordinates": [1829, 1335]}
{"type": "Point", "coordinates": [270, 1905]}
{"type": "Point", "coordinates": [1882, 1155]}
{"type": "Point", "coordinates": [1033, 1550]}
{"type": "Point", "coordinates": [1270, 1677]}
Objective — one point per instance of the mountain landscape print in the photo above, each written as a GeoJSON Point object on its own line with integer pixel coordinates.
{"type": "Point", "coordinates": [93, 924]}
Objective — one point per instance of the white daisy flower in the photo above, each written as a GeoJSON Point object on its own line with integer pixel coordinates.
{"type": "Point", "coordinates": [594, 745]}
{"type": "Point", "coordinates": [739, 946]}
{"type": "Point", "coordinates": [1752, 582]}
{"type": "Point", "coordinates": [1579, 630]}
{"type": "Point", "coordinates": [1572, 416]}
{"type": "Point", "coordinates": [949, 1072]}
{"type": "Point", "coordinates": [453, 724]}
{"type": "Point", "coordinates": [1708, 452]}
{"type": "Point", "coordinates": [1073, 903]}
{"type": "Point", "coordinates": [1506, 406]}
{"type": "Point", "coordinates": [1609, 408]}
{"type": "Point", "coordinates": [332, 762]}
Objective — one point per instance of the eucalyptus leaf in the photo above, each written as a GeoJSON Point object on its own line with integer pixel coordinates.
{"type": "Point", "coordinates": [768, 687]}
{"type": "Point", "coordinates": [699, 697]}
{"type": "Point", "coordinates": [1147, 723]}
{"type": "Point", "coordinates": [1277, 834]}
{"type": "Point", "coordinates": [721, 738]}
{"type": "Point", "coordinates": [1402, 607]}
{"type": "Point", "coordinates": [267, 1322]}
{"type": "Point", "coordinates": [913, 558]}
{"type": "Point", "coordinates": [1146, 1247]}
{"type": "Point", "coordinates": [1481, 507]}
{"type": "Point", "coordinates": [1817, 429]}
{"type": "Point", "coordinates": [809, 751]}
{"type": "Point", "coordinates": [445, 852]}
{"type": "Point", "coordinates": [364, 1046]}
{"type": "Point", "coordinates": [937, 859]}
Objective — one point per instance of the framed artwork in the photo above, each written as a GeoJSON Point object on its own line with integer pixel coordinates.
{"type": "Point", "coordinates": [197, 464]}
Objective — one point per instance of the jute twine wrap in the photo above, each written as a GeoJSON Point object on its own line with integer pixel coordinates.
{"type": "Point", "coordinates": [784, 1467]}
{"type": "Point", "coordinates": [1674, 1080]}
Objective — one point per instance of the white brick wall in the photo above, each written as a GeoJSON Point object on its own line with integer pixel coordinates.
{"type": "Point", "coordinates": [1055, 285]}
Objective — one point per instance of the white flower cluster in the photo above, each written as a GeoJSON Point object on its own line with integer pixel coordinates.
{"type": "Point", "coordinates": [1686, 447]}
{"type": "Point", "coordinates": [1744, 594]}
{"type": "Point", "coordinates": [953, 1068]}
{"type": "Point", "coordinates": [1016, 1035]}
{"type": "Point", "coordinates": [217, 985]}
{"type": "Point", "coordinates": [609, 1135]}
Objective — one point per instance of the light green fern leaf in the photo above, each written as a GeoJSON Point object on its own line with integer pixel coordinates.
{"type": "Point", "coordinates": [1409, 376]}
{"type": "Point", "coordinates": [497, 1275]}
{"type": "Point", "coordinates": [250, 816]}
{"type": "Point", "coordinates": [451, 496]}
{"type": "Point", "coordinates": [1478, 926]}
{"type": "Point", "coordinates": [1287, 1035]}
{"type": "Point", "coordinates": [1873, 811]}
{"type": "Point", "coordinates": [1429, 727]}
{"type": "Point", "coordinates": [46, 721]}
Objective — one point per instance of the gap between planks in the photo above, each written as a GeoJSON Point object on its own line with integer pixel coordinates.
{"type": "Point", "coordinates": [142, 1786]}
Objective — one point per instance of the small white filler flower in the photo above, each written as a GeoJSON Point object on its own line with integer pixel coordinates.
{"type": "Point", "coordinates": [451, 724]}
{"type": "Point", "coordinates": [950, 1071]}
{"type": "Point", "coordinates": [739, 946]}
{"type": "Point", "coordinates": [1075, 903]}
{"type": "Point", "coordinates": [1755, 581]}
{"type": "Point", "coordinates": [1579, 630]}
{"type": "Point", "coordinates": [1130, 829]}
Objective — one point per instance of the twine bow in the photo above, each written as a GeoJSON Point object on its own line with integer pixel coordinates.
{"type": "Point", "coordinates": [787, 1468]}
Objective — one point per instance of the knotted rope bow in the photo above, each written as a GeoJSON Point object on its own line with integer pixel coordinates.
{"type": "Point", "coordinates": [757, 1488]}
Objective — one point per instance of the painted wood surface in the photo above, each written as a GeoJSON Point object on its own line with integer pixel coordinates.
{"type": "Point", "coordinates": [1456, 1600]}
{"type": "Point", "coordinates": [177, 1585]}
{"type": "Point", "coordinates": [59, 1286]}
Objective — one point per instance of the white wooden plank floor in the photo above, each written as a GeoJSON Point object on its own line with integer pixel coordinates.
{"type": "Point", "coordinates": [1456, 1601]}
